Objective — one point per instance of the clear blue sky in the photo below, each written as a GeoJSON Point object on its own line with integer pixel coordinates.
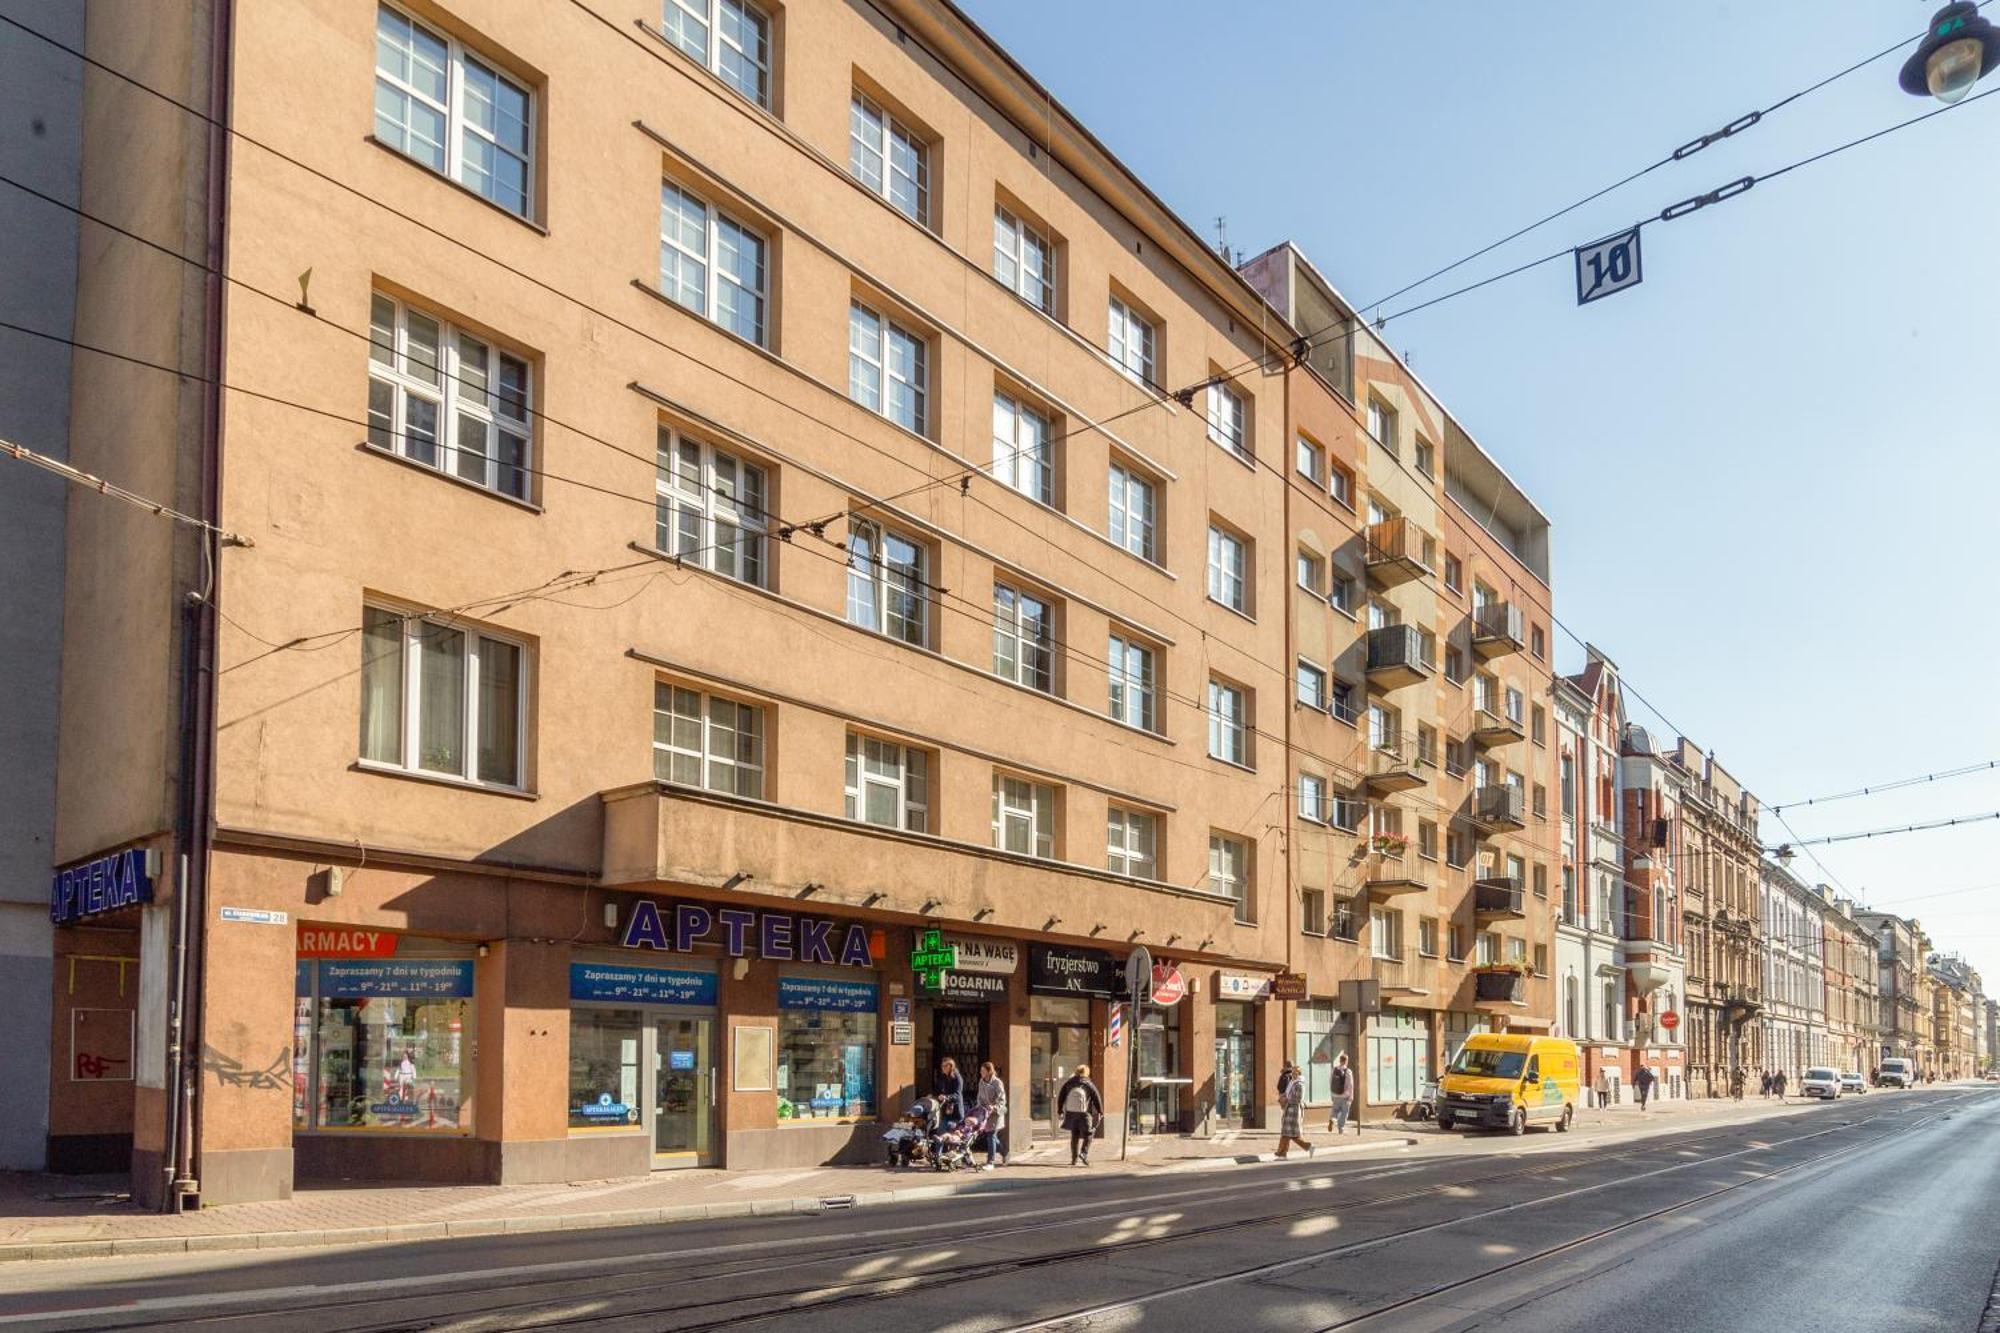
{"type": "Point", "coordinates": [1772, 468]}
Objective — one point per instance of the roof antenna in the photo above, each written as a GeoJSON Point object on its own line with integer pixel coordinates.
{"type": "Point", "coordinates": [1222, 237]}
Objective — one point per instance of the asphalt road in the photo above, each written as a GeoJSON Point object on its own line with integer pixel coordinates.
{"type": "Point", "coordinates": [1877, 1213]}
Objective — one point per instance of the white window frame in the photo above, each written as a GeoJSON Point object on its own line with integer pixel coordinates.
{"type": "Point", "coordinates": [497, 402]}
{"type": "Point", "coordinates": [1132, 342]}
{"type": "Point", "coordinates": [413, 630]}
{"type": "Point", "coordinates": [712, 51]}
{"type": "Point", "coordinates": [1015, 240]}
{"type": "Point", "coordinates": [1312, 686]}
{"type": "Point", "coordinates": [1340, 591]}
{"type": "Point", "coordinates": [1028, 805]}
{"type": "Point", "coordinates": [1311, 460]}
{"type": "Point", "coordinates": [744, 766]}
{"type": "Point", "coordinates": [877, 580]}
{"type": "Point", "coordinates": [1227, 880]}
{"type": "Point", "coordinates": [456, 110]}
{"type": "Point", "coordinates": [1228, 569]}
{"type": "Point", "coordinates": [1133, 672]}
{"type": "Point", "coordinates": [1310, 569]}
{"type": "Point", "coordinates": [694, 508]}
{"type": "Point", "coordinates": [1382, 424]}
{"type": "Point", "coordinates": [874, 138]}
{"type": "Point", "coordinates": [1340, 483]}
{"type": "Point", "coordinates": [720, 233]}
{"type": "Point", "coordinates": [1313, 804]}
{"type": "Point", "coordinates": [1228, 722]}
{"type": "Point", "coordinates": [1133, 522]}
{"type": "Point", "coordinates": [1228, 417]}
{"type": "Point", "coordinates": [903, 771]}
{"type": "Point", "coordinates": [1023, 453]}
{"type": "Point", "coordinates": [888, 366]}
{"type": "Point", "coordinates": [1132, 843]}
{"type": "Point", "coordinates": [1385, 933]}
{"type": "Point", "coordinates": [1018, 656]}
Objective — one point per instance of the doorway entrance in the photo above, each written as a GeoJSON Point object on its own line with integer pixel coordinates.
{"type": "Point", "coordinates": [1235, 1061]}
{"type": "Point", "coordinates": [683, 1100]}
{"type": "Point", "coordinates": [957, 1033]}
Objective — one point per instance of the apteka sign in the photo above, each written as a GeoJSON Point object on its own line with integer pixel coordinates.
{"type": "Point", "coordinates": [105, 885]}
{"type": "Point", "coordinates": [779, 936]}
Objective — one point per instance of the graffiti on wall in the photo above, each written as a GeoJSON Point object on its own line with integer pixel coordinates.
{"type": "Point", "coordinates": [231, 1072]}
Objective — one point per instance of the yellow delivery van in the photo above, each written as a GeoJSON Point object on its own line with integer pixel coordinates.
{"type": "Point", "coordinates": [1510, 1081]}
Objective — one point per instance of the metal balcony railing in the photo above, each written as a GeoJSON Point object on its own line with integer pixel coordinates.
{"type": "Point", "coordinates": [1399, 550]}
{"type": "Point", "coordinates": [1499, 987]}
{"type": "Point", "coordinates": [1497, 896]}
{"type": "Point", "coordinates": [1397, 652]}
{"type": "Point", "coordinates": [1498, 629]}
{"type": "Point", "coordinates": [1500, 806]}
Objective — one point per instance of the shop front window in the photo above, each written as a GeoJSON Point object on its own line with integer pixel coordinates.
{"type": "Point", "coordinates": [392, 1045]}
{"type": "Point", "coordinates": [827, 1033]}
{"type": "Point", "coordinates": [1316, 1048]}
{"type": "Point", "coordinates": [604, 1069]}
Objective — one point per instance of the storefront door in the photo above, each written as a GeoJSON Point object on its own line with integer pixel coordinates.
{"type": "Point", "coordinates": [960, 1035]}
{"type": "Point", "coordinates": [683, 1090]}
{"type": "Point", "coordinates": [1235, 1060]}
{"type": "Point", "coordinates": [1054, 1052]}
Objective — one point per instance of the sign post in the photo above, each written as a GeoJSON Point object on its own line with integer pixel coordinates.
{"type": "Point", "coordinates": [1138, 987]}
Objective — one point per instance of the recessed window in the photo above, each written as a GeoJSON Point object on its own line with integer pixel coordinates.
{"type": "Point", "coordinates": [1454, 572]}
{"type": "Point", "coordinates": [1537, 641]}
{"type": "Point", "coordinates": [712, 264]}
{"type": "Point", "coordinates": [1312, 911]}
{"type": "Point", "coordinates": [1454, 664]}
{"type": "Point", "coordinates": [1312, 686]}
{"type": "Point", "coordinates": [1538, 724]}
{"type": "Point", "coordinates": [710, 508]}
{"type": "Point", "coordinates": [1132, 673]}
{"type": "Point", "coordinates": [1340, 483]}
{"type": "Point", "coordinates": [1226, 419]}
{"type": "Point", "coordinates": [889, 158]}
{"type": "Point", "coordinates": [1228, 565]}
{"type": "Point", "coordinates": [1022, 456]}
{"type": "Point", "coordinates": [887, 368]}
{"type": "Point", "coordinates": [1382, 424]}
{"type": "Point", "coordinates": [1023, 638]}
{"type": "Point", "coordinates": [1024, 816]}
{"type": "Point", "coordinates": [1229, 873]}
{"type": "Point", "coordinates": [1024, 261]}
{"type": "Point", "coordinates": [1426, 458]}
{"type": "Point", "coordinates": [1312, 569]}
{"type": "Point", "coordinates": [1132, 840]}
{"type": "Point", "coordinates": [1131, 342]}
{"type": "Point", "coordinates": [441, 698]}
{"type": "Point", "coordinates": [727, 36]}
{"type": "Point", "coordinates": [888, 784]}
{"type": "Point", "coordinates": [1343, 705]}
{"type": "Point", "coordinates": [1341, 595]}
{"type": "Point", "coordinates": [1311, 460]}
{"type": "Point", "coordinates": [703, 740]}
{"type": "Point", "coordinates": [1385, 932]}
{"type": "Point", "coordinates": [1312, 798]}
{"type": "Point", "coordinates": [1427, 936]}
{"type": "Point", "coordinates": [444, 107]}
{"type": "Point", "coordinates": [444, 398]}
{"type": "Point", "coordinates": [1134, 509]}
{"type": "Point", "coordinates": [887, 587]}
{"type": "Point", "coordinates": [1228, 723]}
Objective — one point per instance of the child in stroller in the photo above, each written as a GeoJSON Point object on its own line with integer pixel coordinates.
{"type": "Point", "coordinates": [910, 1139]}
{"type": "Point", "coordinates": [951, 1147]}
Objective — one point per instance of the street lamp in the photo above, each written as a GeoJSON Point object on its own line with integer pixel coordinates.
{"type": "Point", "coordinates": [1960, 48]}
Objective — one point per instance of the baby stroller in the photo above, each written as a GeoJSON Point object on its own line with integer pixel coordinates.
{"type": "Point", "coordinates": [951, 1147]}
{"type": "Point", "coordinates": [913, 1139]}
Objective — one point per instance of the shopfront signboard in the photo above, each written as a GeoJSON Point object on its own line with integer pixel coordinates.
{"type": "Point", "coordinates": [1288, 986]}
{"type": "Point", "coordinates": [434, 978]}
{"type": "Point", "coordinates": [608, 983]}
{"type": "Point", "coordinates": [1242, 986]}
{"type": "Point", "coordinates": [931, 959]}
{"type": "Point", "coordinates": [108, 884]}
{"type": "Point", "coordinates": [852, 997]}
{"type": "Point", "coordinates": [345, 942]}
{"type": "Point", "coordinates": [739, 931]}
{"type": "Point", "coordinates": [973, 988]}
{"type": "Point", "coordinates": [1169, 986]}
{"type": "Point", "coordinates": [1001, 958]}
{"type": "Point", "coordinates": [1056, 970]}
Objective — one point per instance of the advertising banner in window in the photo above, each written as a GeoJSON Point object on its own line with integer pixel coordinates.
{"type": "Point", "coordinates": [1056, 970]}
{"type": "Point", "coordinates": [848, 997]}
{"type": "Point", "coordinates": [604, 983]}
{"type": "Point", "coordinates": [446, 978]}
{"type": "Point", "coordinates": [386, 1045]}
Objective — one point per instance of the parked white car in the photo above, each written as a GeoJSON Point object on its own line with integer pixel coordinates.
{"type": "Point", "coordinates": [1853, 1083]}
{"type": "Point", "coordinates": [1820, 1083]}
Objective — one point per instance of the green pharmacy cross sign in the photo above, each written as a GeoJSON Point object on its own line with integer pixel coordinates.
{"type": "Point", "coordinates": [932, 959]}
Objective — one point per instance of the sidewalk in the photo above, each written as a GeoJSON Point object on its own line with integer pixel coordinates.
{"type": "Point", "coordinates": [69, 1217]}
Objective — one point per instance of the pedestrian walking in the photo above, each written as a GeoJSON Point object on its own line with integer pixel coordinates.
{"type": "Point", "coordinates": [1342, 1082]}
{"type": "Point", "coordinates": [1764, 1083]}
{"type": "Point", "coordinates": [1778, 1084]}
{"type": "Point", "coordinates": [1642, 1084]}
{"type": "Point", "coordinates": [950, 1083]}
{"type": "Point", "coordinates": [1292, 1092]}
{"type": "Point", "coordinates": [1736, 1084]}
{"type": "Point", "coordinates": [992, 1096]}
{"type": "Point", "coordinates": [1603, 1086]}
{"type": "Point", "coordinates": [1082, 1108]}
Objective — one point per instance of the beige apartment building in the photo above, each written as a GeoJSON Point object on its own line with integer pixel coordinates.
{"type": "Point", "coordinates": [1726, 947]}
{"type": "Point", "coordinates": [749, 556]}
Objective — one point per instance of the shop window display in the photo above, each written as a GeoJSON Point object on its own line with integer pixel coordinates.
{"type": "Point", "coordinates": [604, 1069]}
{"type": "Point", "coordinates": [827, 1034]}
{"type": "Point", "coordinates": [391, 1045]}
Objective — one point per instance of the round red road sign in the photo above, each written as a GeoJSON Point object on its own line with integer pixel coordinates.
{"type": "Point", "coordinates": [1670, 1020]}
{"type": "Point", "coordinates": [1168, 985]}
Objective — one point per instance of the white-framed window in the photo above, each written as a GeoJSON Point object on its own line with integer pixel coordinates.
{"type": "Point", "coordinates": [1385, 932]}
{"type": "Point", "coordinates": [1131, 342]}
{"type": "Point", "coordinates": [1426, 458]}
{"type": "Point", "coordinates": [888, 784]}
{"type": "Point", "coordinates": [1229, 872]}
{"type": "Point", "coordinates": [889, 158]}
{"type": "Point", "coordinates": [1341, 701]}
{"type": "Point", "coordinates": [439, 104]}
{"type": "Point", "coordinates": [1427, 936]}
{"type": "Point", "coordinates": [1024, 261]}
{"type": "Point", "coordinates": [1228, 565]}
{"type": "Point", "coordinates": [707, 741]}
{"type": "Point", "coordinates": [1132, 843]}
{"type": "Point", "coordinates": [443, 698]}
{"type": "Point", "coordinates": [1225, 419]}
{"type": "Point", "coordinates": [1382, 424]}
{"type": "Point", "coordinates": [711, 263]}
{"type": "Point", "coordinates": [1228, 723]}
{"type": "Point", "coordinates": [888, 368]}
{"type": "Point", "coordinates": [1311, 461]}
{"type": "Point", "coordinates": [1312, 798]}
{"type": "Point", "coordinates": [1024, 816]}
{"type": "Point", "coordinates": [1133, 694]}
{"type": "Point", "coordinates": [1487, 949]}
{"type": "Point", "coordinates": [1311, 569]}
{"type": "Point", "coordinates": [1348, 813]}
{"type": "Point", "coordinates": [1023, 638]}
{"type": "Point", "coordinates": [1341, 594]}
{"type": "Point", "coordinates": [1517, 706]}
{"type": "Point", "coordinates": [710, 508]}
{"type": "Point", "coordinates": [1312, 685]}
{"type": "Point", "coordinates": [730, 37]}
{"type": "Point", "coordinates": [1022, 451]}
{"type": "Point", "coordinates": [444, 398]}
{"type": "Point", "coordinates": [1312, 911]}
{"type": "Point", "coordinates": [1340, 483]}
{"type": "Point", "coordinates": [887, 584]}
{"type": "Point", "coordinates": [1134, 509]}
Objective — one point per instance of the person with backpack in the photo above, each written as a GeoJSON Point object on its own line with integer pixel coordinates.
{"type": "Point", "coordinates": [1082, 1107]}
{"type": "Point", "coordinates": [1342, 1081]}
{"type": "Point", "coordinates": [1642, 1084]}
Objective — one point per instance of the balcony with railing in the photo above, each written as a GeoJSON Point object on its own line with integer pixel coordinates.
{"type": "Point", "coordinates": [1398, 551]}
{"type": "Point", "coordinates": [1491, 727]}
{"type": "Point", "coordinates": [1498, 898]}
{"type": "Point", "coordinates": [1396, 656]}
{"type": "Point", "coordinates": [1498, 629]}
{"type": "Point", "coordinates": [1398, 970]}
{"type": "Point", "coordinates": [1393, 869]}
{"type": "Point", "coordinates": [1393, 764]}
{"type": "Point", "coordinates": [1499, 986]}
{"type": "Point", "coordinates": [1500, 808]}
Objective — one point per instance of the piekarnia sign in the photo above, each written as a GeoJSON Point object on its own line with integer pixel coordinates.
{"type": "Point", "coordinates": [780, 936]}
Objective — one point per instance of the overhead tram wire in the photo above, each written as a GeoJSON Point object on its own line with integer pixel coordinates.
{"type": "Point", "coordinates": [1882, 787]}
{"type": "Point", "coordinates": [76, 476]}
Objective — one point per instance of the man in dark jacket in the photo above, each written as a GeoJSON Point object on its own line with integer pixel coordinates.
{"type": "Point", "coordinates": [1081, 1107]}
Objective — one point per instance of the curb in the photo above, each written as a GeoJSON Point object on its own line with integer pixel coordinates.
{"type": "Point", "coordinates": [1255, 1159]}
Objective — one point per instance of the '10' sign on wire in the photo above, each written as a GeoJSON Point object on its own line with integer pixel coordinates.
{"type": "Point", "coordinates": [1607, 266]}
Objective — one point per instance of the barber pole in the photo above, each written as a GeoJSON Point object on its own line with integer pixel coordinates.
{"type": "Point", "coordinates": [1117, 1033]}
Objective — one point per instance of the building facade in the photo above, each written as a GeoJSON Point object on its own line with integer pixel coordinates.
{"type": "Point", "coordinates": [1852, 987]}
{"type": "Point", "coordinates": [1590, 956]}
{"type": "Point", "coordinates": [1905, 1018]}
{"type": "Point", "coordinates": [1794, 1018]}
{"type": "Point", "coordinates": [1720, 853]}
{"type": "Point", "coordinates": [1652, 789]}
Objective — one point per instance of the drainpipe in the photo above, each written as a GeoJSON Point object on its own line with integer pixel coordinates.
{"type": "Point", "coordinates": [197, 773]}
